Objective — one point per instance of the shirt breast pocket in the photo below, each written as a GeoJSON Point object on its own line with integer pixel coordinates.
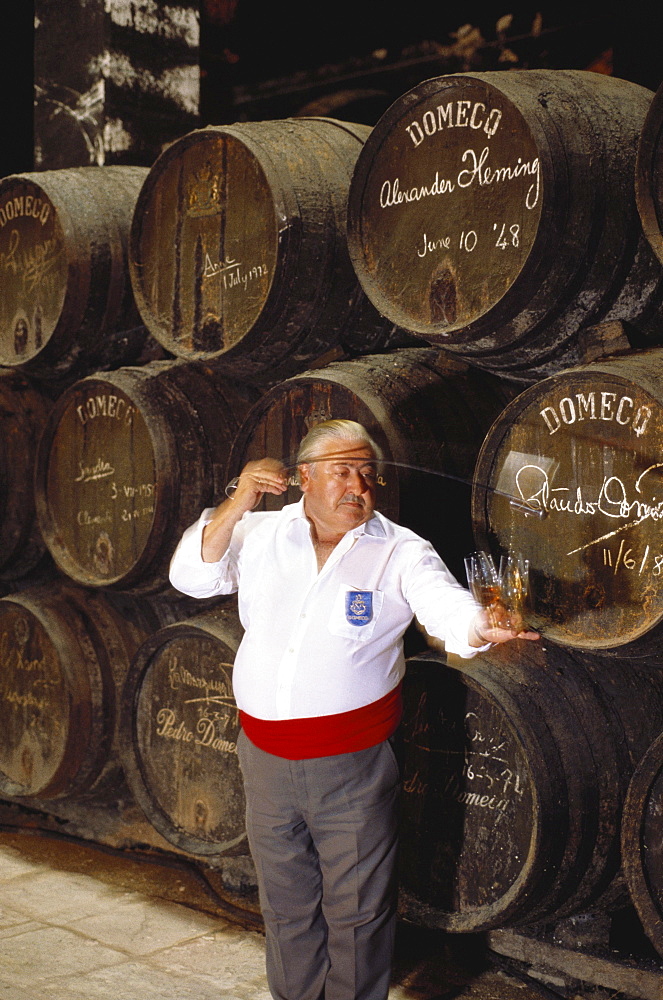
{"type": "Point", "coordinates": [355, 613]}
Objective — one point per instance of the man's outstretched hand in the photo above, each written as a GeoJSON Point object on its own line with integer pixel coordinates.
{"type": "Point", "coordinates": [497, 624]}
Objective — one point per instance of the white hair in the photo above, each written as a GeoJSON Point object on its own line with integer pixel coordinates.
{"type": "Point", "coordinates": [335, 430]}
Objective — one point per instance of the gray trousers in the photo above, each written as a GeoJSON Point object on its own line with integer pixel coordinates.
{"type": "Point", "coordinates": [323, 836]}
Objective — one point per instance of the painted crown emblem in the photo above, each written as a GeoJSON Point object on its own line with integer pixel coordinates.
{"type": "Point", "coordinates": [203, 192]}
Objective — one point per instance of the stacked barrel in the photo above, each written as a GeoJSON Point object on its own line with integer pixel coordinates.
{"type": "Point", "coordinates": [495, 215]}
{"type": "Point", "coordinates": [506, 199]}
{"type": "Point", "coordinates": [504, 202]}
{"type": "Point", "coordinates": [233, 250]}
{"type": "Point", "coordinates": [66, 310]}
{"type": "Point", "coordinates": [67, 306]}
{"type": "Point", "coordinates": [443, 279]}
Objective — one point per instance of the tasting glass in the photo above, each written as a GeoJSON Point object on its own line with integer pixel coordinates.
{"type": "Point", "coordinates": [483, 578]}
{"type": "Point", "coordinates": [504, 591]}
{"type": "Point", "coordinates": [514, 587]}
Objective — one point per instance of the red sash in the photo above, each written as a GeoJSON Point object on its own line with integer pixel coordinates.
{"type": "Point", "coordinates": [327, 735]}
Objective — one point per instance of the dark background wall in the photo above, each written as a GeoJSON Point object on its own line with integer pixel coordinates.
{"type": "Point", "coordinates": [262, 59]}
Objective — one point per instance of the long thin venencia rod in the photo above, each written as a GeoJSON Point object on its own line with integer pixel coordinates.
{"type": "Point", "coordinates": [515, 502]}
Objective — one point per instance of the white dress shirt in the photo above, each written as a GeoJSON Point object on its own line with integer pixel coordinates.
{"type": "Point", "coordinates": [301, 656]}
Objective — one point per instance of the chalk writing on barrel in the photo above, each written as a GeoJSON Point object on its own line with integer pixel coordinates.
{"type": "Point", "coordinates": [170, 728]}
{"type": "Point", "coordinates": [611, 500]}
{"type": "Point", "coordinates": [477, 171]}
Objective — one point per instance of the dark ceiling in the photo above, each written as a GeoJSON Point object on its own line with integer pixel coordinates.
{"type": "Point", "coordinates": [261, 59]}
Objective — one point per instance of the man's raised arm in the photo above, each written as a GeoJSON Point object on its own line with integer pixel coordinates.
{"type": "Point", "coordinates": [266, 475]}
{"type": "Point", "coordinates": [193, 567]}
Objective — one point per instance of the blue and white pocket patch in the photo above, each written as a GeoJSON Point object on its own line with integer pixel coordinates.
{"type": "Point", "coordinates": [359, 606]}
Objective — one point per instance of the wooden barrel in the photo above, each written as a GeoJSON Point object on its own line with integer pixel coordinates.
{"type": "Point", "coordinates": [238, 247]}
{"type": "Point", "coordinates": [64, 654]}
{"type": "Point", "coordinates": [179, 733]}
{"type": "Point", "coordinates": [127, 461]}
{"type": "Point", "coordinates": [642, 842]}
{"type": "Point", "coordinates": [24, 408]}
{"type": "Point", "coordinates": [507, 200]}
{"type": "Point", "coordinates": [429, 414]}
{"type": "Point", "coordinates": [649, 175]}
{"type": "Point", "coordinates": [582, 451]}
{"type": "Point", "coordinates": [67, 304]}
{"type": "Point", "coordinates": [515, 768]}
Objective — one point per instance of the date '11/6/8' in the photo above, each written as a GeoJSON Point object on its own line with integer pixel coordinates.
{"type": "Point", "coordinates": [625, 557]}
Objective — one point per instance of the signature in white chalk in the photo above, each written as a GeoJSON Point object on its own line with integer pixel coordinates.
{"type": "Point", "coordinates": [533, 486]}
{"type": "Point", "coordinates": [39, 264]}
{"type": "Point", "coordinates": [613, 499]}
{"type": "Point", "coordinates": [100, 470]}
{"type": "Point", "coordinates": [216, 267]}
{"type": "Point", "coordinates": [231, 273]}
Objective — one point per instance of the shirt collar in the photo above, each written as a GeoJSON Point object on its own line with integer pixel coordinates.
{"type": "Point", "coordinates": [374, 526]}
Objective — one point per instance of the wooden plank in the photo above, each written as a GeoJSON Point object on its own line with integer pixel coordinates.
{"type": "Point", "coordinates": [620, 974]}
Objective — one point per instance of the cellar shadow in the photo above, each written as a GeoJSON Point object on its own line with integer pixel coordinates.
{"type": "Point", "coordinates": [432, 747]}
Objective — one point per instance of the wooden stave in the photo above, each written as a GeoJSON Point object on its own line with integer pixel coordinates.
{"type": "Point", "coordinates": [573, 854]}
{"type": "Point", "coordinates": [634, 293]}
{"type": "Point", "coordinates": [647, 174]}
{"type": "Point", "coordinates": [190, 446]}
{"type": "Point", "coordinates": [308, 311]}
{"type": "Point", "coordinates": [528, 335]}
{"type": "Point", "coordinates": [98, 325]}
{"type": "Point", "coordinates": [639, 831]}
{"type": "Point", "coordinates": [25, 406]}
{"type": "Point", "coordinates": [346, 323]}
{"type": "Point", "coordinates": [220, 625]}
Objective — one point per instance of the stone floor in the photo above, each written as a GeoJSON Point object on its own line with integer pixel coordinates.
{"type": "Point", "coordinates": [78, 923]}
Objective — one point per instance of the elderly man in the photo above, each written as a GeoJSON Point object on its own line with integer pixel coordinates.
{"type": "Point", "coordinates": [326, 589]}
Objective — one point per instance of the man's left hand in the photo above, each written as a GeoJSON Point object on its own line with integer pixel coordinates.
{"type": "Point", "coordinates": [497, 625]}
